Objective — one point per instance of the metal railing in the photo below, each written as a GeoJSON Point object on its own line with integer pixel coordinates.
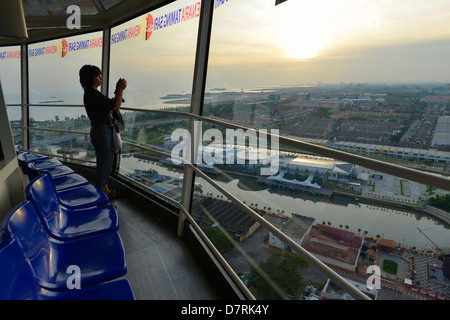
{"type": "Point", "coordinates": [407, 173]}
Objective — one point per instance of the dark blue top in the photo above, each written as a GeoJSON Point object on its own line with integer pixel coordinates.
{"type": "Point", "coordinates": [98, 107]}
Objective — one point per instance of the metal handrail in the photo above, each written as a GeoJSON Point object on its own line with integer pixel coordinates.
{"type": "Point", "coordinates": [217, 254]}
{"type": "Point", "coordinates": [390, 168]}
{"type": "Point", "coordinates": [407, 173]}
{"type": "Point", "coordinates": [319, 265]}
{"type": "Point", "coordinates": [393, 169]}
{"type": "Point", "coordinates": [52, 130]}
{"type": "Point", "coordinates": [45, 105]}
{"type": "Point", "coordinates": [82, 106]}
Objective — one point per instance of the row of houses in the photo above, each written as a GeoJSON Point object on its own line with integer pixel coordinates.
{"type": "Point", "coordinates": [394, 152]}
{"type": "Point", "coordinates": [441, 135]}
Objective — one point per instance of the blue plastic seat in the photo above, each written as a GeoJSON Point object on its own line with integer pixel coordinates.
{"type": "Point", "coordinates": [79, 197]}
{"type": "Point", "coordinates": [66, 224]}
{"type": "Point", "coordinates": [46, 163]}
{"type": "Point", "coordinates": [115, 290]}
{"type": "Point", "coordinates": [25, 158]}
{"type": "Point", "coordinates": [54, 171]}
{"type": "Point", "coordinates": [100, 258]}
{"type": "Point", "coordinates": [63, 177]}
{"type": "Point", "coordinates": [85, 196]}
{"type": "Point", "coordinates": [17, 282]}
{"type": "Point", "coordinates": [35, 167]}
{"type": "Point", "coordinates": [67, 181]}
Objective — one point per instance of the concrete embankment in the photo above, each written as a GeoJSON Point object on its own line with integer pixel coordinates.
{"type": "Point", "coordinates": [438, 213]}
{"type": "Point", "coordinates": [427, 209]}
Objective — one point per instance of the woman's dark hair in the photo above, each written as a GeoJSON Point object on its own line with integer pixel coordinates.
{"type": "Point", "coordinates": [87, 75]}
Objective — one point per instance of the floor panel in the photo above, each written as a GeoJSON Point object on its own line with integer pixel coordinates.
{"type": "Point", "coordinates": [160, 266]}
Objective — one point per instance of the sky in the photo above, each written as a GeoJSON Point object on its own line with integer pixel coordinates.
{"type": "Point", "coordinates": [255, 43]}
{"type": "Point", "coordinates": [333, 41]}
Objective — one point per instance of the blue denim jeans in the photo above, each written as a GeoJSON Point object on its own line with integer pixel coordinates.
{"type": "Point", "coordinates": [101, 138]}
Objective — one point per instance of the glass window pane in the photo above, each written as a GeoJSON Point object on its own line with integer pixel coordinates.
{"type": "Point", "coordinates": [346, 72]}
{"type": "Point", "coordinates": [54, 82]}
{"type": "Point", "coordinates": [10, 74]}
{"type": "Point", "coordinates": [54, 68]}
{"type": "Point", "coordinates": [151, 167]}
{"type": "Point", "coordinates": [10, 80]}
{"type": "Point", "coordinates": [343, 207]}
{"type": "Point", "coordinates": [156, 54]}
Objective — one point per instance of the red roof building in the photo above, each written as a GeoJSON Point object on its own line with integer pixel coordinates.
{"type": "Point", "coordinates": [437, 99]}
{"type": "Point", "coordinates": [333, 246]}
{"type": "Point", "coordinates": [386, 245]}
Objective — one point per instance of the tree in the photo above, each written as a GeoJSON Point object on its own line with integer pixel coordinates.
{"type": "Point", "coordinates": [277, 278]}
{"type": "Point", "coordinates": [219, 239]}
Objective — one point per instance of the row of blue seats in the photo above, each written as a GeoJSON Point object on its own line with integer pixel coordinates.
{"type": "Point", "coordinates": [73, 190]}
{"type": "Point", "coordinates": [43, 240]}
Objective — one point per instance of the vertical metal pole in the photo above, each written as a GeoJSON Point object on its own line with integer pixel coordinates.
{"type": "Point", "coordinates": [198, 92]}
{"type": "Point", "coordinates": [24, 95]}
{"type": "Point", "coordinates": [106, 54]}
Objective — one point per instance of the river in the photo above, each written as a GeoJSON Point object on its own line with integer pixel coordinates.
{"type": "Point", "coordinates": [392, 223]}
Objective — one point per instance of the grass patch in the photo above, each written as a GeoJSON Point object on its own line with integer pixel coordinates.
{"type": "Point", "coordinates": [390, 266]}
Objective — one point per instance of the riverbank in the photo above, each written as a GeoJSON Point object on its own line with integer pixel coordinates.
{"type": "Point", "coordinates": [424, 209]}
{"type": "Point", "coordinates": [377, 217]}
{"type": "Point", "coordinates": [438, 213]}
{"type": "Point", "coordinates": [427, 209]}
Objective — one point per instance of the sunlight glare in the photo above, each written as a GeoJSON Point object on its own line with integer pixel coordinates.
{"type": "Point", "coordinates": [305, 33]}
{"type": "Point", "coordinates": [305, 47]}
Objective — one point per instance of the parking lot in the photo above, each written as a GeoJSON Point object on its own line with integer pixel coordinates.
{"type": "Point", "coordinates": [391, 188]}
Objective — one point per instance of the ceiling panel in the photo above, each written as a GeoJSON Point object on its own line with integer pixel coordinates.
{"type": "Point", "coordinates": [47, 19]}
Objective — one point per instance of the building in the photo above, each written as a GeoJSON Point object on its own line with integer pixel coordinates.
{"type": "Point", "coordinates": [441, 135]}
{"type": "Point", "coordinates": [393, 152]}
{"type": "Point", "coordinates": [274, 97]}
{"type": "Point", "coordinates": [297, 227]}
{"type": "Point", "coordinates": [332, 292]}
{"type": "Point", "coordinates": [226, 214]}
{"type": "Point", "coordinates": [437, 99]}
{"type": "Point", "coordinates": [306, 185]}
{"type": "Point", "coordinates": [386, 245]}
{"type": "Point", "coordinates": [320, 168]}
{"type": "Point", "coordinates": [336, 247]}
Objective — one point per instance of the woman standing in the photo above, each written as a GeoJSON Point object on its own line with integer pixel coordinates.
{"type": "Point", "coordinates": [99, 108]}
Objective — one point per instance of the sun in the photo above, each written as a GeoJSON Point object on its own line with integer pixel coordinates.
{"type": "Point", "coordinates": [306, 31]}
{"type": "Point", "coordinates": [304, 47]}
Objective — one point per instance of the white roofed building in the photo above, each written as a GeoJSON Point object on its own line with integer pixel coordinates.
{"type": "Point", "coordinates": [320, 168]}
